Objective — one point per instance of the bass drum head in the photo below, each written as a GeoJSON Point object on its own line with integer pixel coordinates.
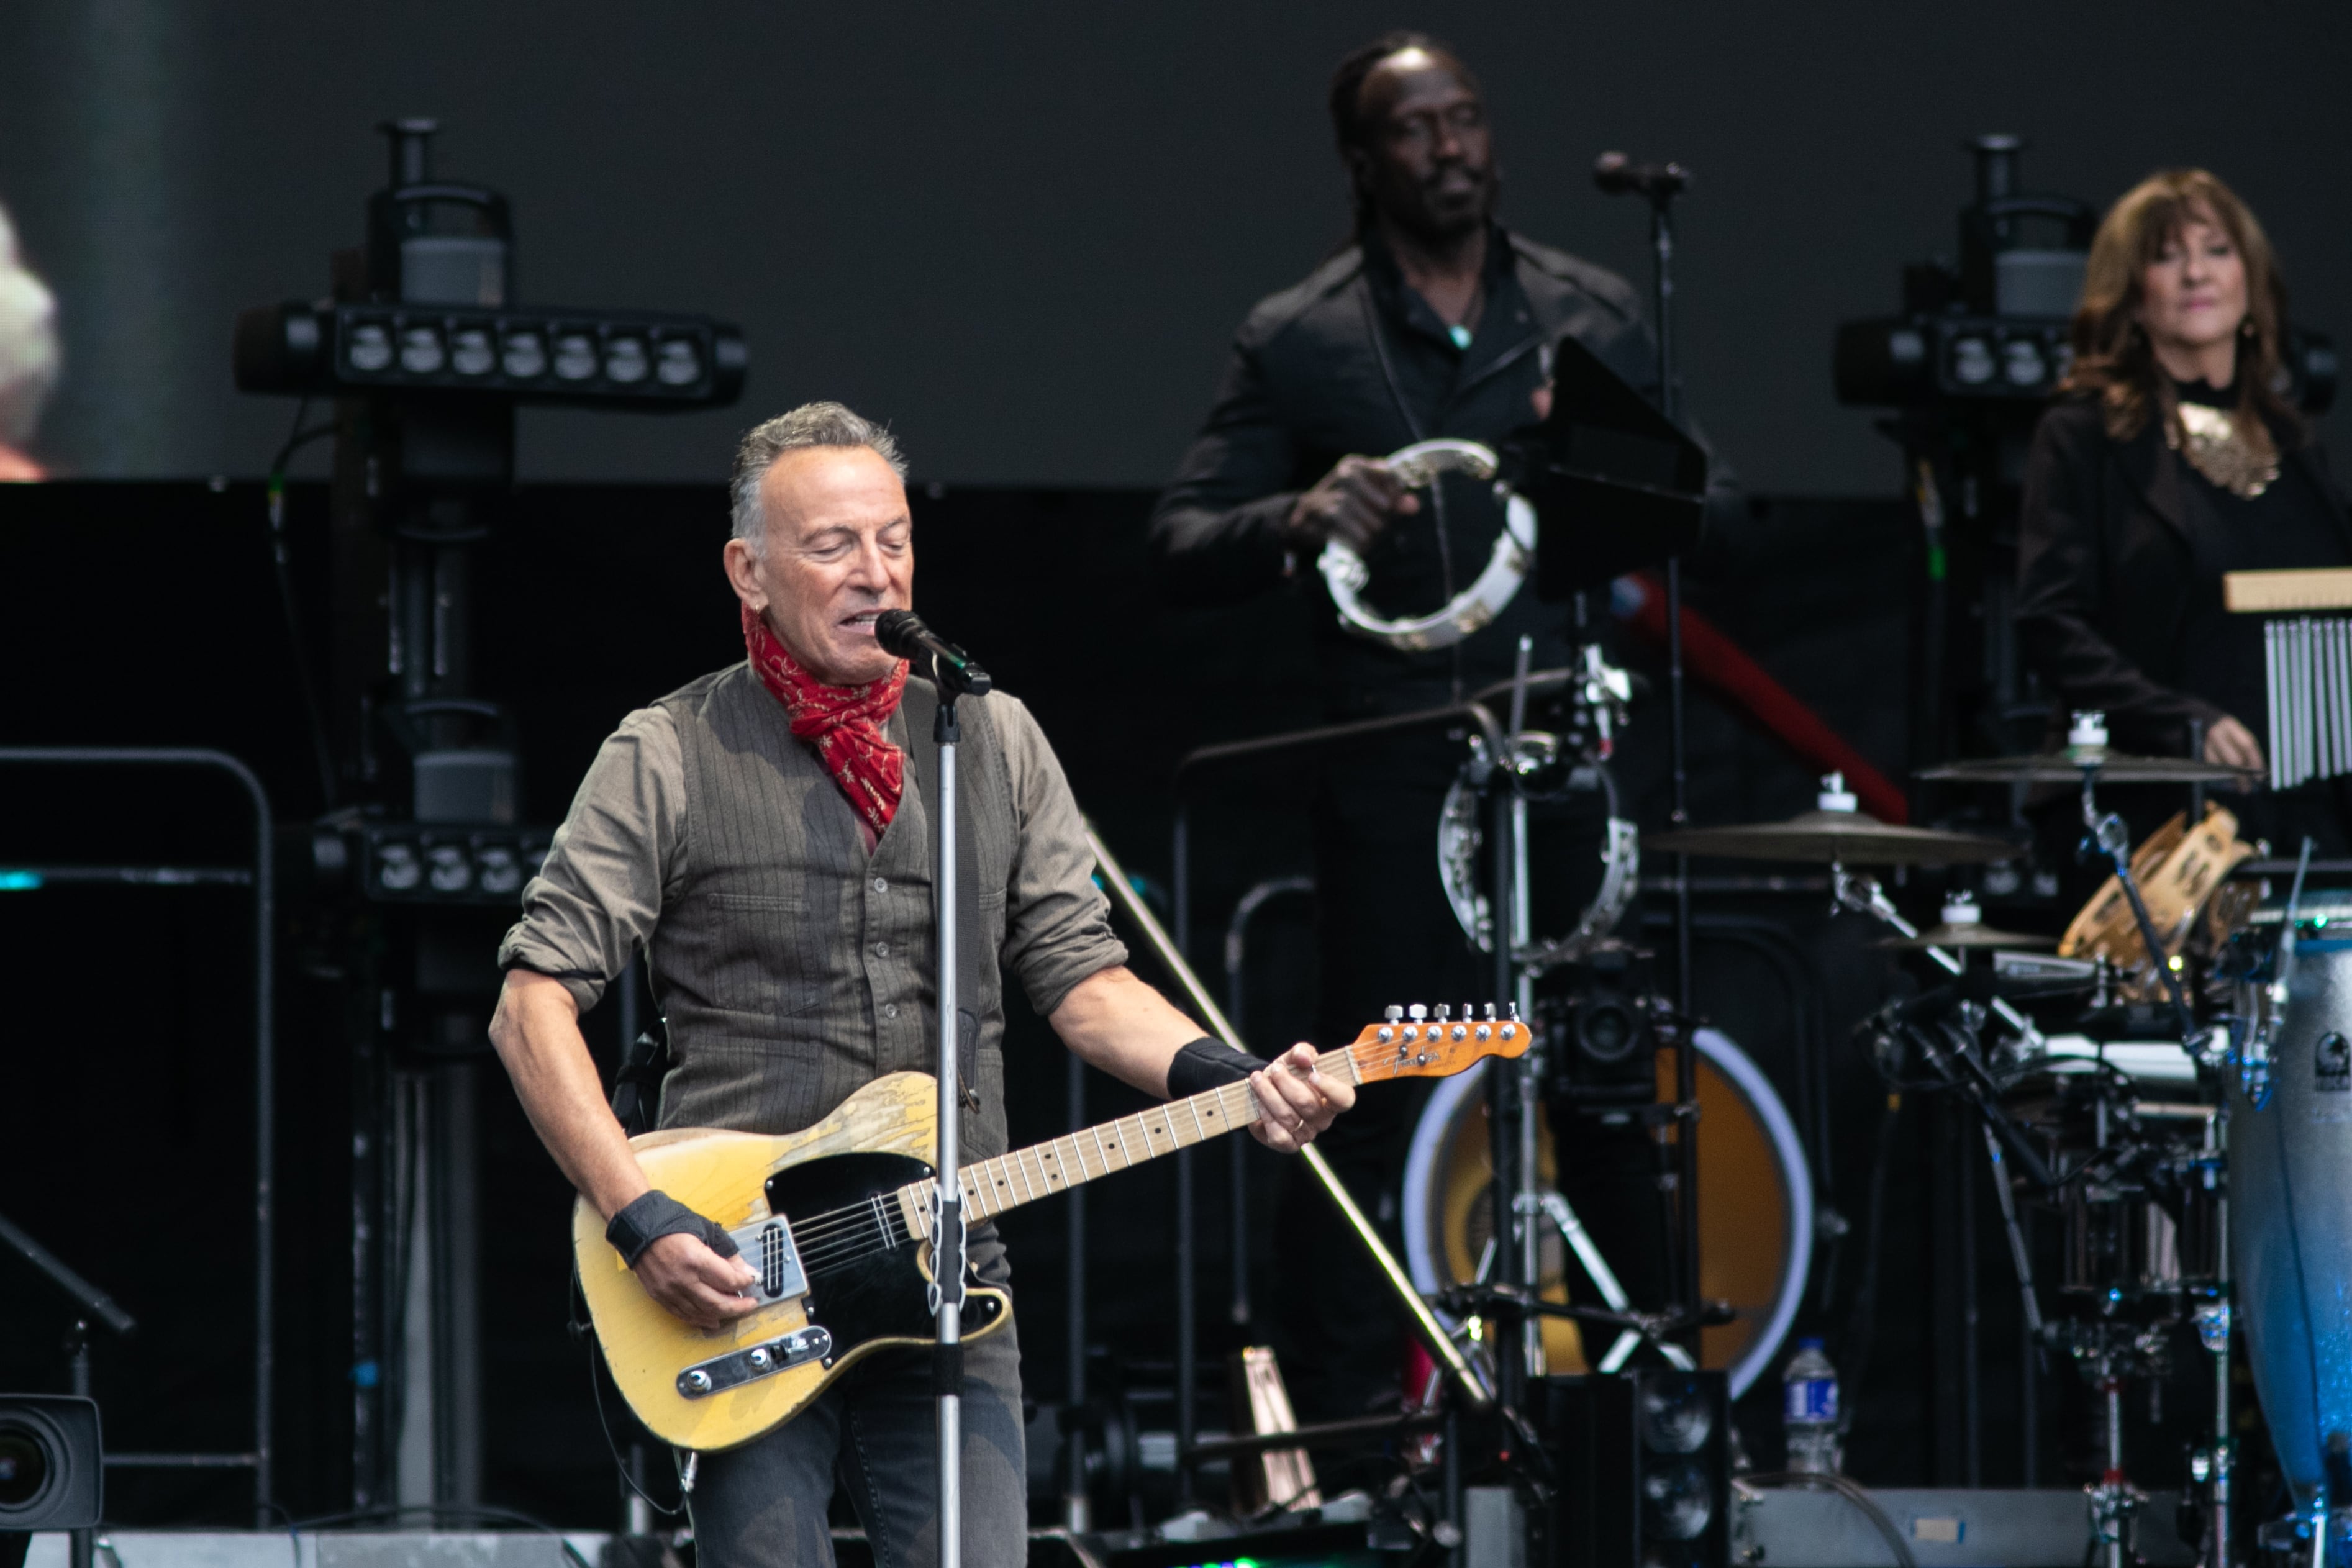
{"type": "Point", "coordinates": [1756, 1210]}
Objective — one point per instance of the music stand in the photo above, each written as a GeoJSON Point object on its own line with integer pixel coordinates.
{"type": "Point", "coordinates": [1616, 485]}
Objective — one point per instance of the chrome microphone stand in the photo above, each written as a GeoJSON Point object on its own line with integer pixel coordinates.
{"type": "Point", "coordinates": [953, 673]}
{"type": "Point", "coordinates": [1659, 184]}
{"type": "Point", "coordinates": [947, 1191]}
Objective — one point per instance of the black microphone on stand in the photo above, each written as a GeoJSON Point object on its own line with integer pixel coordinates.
{"type": "Point", "coordinates": [902, 631]}
{"type": "Point", "coordinates": [1618, 175]}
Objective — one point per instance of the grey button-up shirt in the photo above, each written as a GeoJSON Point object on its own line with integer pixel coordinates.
{"type": "Point", "coordinates": [793, 964]}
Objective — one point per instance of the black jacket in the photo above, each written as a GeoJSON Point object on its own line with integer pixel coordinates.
{"type": "Point", "coordinates": [2106, 575]}
{"type": "Point", "coordinates": [1351, 361]}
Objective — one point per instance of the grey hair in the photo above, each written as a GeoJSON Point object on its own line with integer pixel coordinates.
{"type": "Point", "coordinates": [810, 425]}
{"type": "Point", "coordinates": [28, 342]}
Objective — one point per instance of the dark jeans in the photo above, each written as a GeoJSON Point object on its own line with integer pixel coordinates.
{"type": "Point", "coordinates": [763, 1505]}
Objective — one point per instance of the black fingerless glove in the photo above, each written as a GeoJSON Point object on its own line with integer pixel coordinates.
{"type": "Point", "coordinates": [655, 1215]}
{"type": "Point", "coordinates": [1208, 1064]}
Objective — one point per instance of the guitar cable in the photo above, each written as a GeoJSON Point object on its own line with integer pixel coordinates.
{"type": "Point", "coordinates": [587, 1333]}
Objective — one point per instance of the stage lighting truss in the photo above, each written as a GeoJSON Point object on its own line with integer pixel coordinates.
{"type": "Point", "coordinates": [619, 360]}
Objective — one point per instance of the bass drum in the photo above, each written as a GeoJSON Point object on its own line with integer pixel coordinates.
{"type": "Point", "coordinates": [1755, 1209]}
{"type": "Point", "coordinates": [2290, 1214]}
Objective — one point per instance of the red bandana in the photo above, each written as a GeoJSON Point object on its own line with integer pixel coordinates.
{"type": "Point", "coordinates": [844, 722]}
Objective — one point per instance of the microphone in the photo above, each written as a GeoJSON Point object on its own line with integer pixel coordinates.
{"type": "Point", "coordinates": [1618, 175]}
{"type": "Point", "coordinates": [1976, 985]}
{"type": "Point", "coordinates": [902, 631]}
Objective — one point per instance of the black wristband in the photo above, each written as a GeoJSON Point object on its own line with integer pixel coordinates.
{"type": "Point", "coordinates": [1208, 1064]}
{"type": "Point", "coordinates": [655, 1215]}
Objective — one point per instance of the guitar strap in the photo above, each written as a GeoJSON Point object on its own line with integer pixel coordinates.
{"type": "Point", "coordinates": [920, 704]}
{"type": "Point", "coordinates": [645, 1063]}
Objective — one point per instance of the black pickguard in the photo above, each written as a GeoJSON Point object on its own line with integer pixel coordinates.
{"type": "Point", "coordinates": [869, 1292]}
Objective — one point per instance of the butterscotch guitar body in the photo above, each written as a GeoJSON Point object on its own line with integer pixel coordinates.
{"type": "Point", "coordinates": [844, 1277]}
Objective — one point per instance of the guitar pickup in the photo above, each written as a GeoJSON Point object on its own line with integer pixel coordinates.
{"type": "Point", "coordinates": [767, 1246]}
{"type": "Point", "coordinates": [754, 1362]}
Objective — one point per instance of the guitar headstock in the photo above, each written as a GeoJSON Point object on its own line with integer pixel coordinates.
{"type": "Point", "coordinates": [1410, 1043]}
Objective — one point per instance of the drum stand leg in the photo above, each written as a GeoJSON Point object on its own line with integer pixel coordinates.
{"type": "Point", "coordinates": [2213, 1333]}
{"type": "Point", "coordinates": [2022, 1257]}
{"type": "Point", "coordinates": [1580, 1240]}
{"type": "Point", "coordinates": [2213, 1324]}
{"type": "Point", "coordinates": [2112, 1501]}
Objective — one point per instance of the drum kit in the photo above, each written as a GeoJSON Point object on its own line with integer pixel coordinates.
{"type": "Point", "coordinates": [2197, 1177]}
{"type": "Point", "coordinates": [2194, 1172]}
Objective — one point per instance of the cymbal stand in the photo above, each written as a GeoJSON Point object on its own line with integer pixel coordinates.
{"type": "Point", "coordinates": [1864, 896]}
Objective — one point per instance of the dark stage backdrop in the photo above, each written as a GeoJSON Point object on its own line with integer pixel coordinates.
{"type": "Point", "coordinates": [1024, 233]}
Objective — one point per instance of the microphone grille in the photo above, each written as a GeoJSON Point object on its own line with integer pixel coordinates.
{"type": "Point", "coordinates": [897, 629]}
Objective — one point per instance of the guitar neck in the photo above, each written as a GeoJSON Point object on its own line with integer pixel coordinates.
{"type": "Point", "coordinates": [992, 1187]}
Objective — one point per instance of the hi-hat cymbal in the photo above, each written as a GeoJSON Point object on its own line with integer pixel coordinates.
{"type": "Point", "coordinates": [1966, 933]}
{"type": "Point", "coordinates": [2068, 767]}
{"type": "Point", "coordinates": [1838, 838]}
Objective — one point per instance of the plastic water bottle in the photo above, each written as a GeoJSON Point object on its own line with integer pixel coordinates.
{"type": "Point", "coordinates": [1809, 1411]}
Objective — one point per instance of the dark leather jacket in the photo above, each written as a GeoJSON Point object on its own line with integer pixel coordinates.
{"type": "Point", "coordinates": [2106, 574]}
{"type": "Point", "coordinates": [1352, 360]}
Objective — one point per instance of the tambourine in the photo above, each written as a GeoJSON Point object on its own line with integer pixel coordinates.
{"type": "Point", "coordinates": [1462, 861]}
{"type": "Point", "coordinates": [1476, 606]}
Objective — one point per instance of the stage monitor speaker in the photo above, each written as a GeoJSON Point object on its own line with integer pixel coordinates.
{"type": "Point", "coordinates": [52, 1474]}
{"type": "Point", "coordinates": [1644, 1467]}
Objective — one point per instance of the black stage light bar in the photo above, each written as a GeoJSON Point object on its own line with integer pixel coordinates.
{"type": "Point", "coordinates": [403, 863]}
{"type": "Point", "coordinates": [637, 360]}
{"type": "Point", "coordinates": [1922, 359]}
{"type": "Point", "coordinates": [1901, 361]}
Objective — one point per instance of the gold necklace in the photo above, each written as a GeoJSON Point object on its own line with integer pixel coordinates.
{"type": "Point", "coordinates": [2216, 447]}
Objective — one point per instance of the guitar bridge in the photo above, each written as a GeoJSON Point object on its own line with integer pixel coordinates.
{"type": "Point", "coordinates": [754, 1362]}
{"type": "Point", "coordinates": [767, 1246]}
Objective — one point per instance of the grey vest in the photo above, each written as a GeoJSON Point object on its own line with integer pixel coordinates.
{"type": "Point", "coordinates": [792, 966]}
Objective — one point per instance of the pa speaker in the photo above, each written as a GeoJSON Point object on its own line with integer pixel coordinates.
{"type": "Point", "coordinates": [51, 1469]}
{"type": "Point", "coordinates": [1644, 1466]}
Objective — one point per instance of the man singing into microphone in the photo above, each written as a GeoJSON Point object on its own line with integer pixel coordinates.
{"type": "Point", "coordinates": [1435, 320]}
{"type": "Point", "coordinates": [759, 836]}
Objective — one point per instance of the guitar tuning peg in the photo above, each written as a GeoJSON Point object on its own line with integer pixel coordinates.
{"type": "Point", "coordinates": [1444, 1012]}
{"type": "Point", "coordinates": [1514, 1012]}
{"type": "Point", "coordinates": [1417, 1012]}
{"type": "Point", "coordinates": [1469, 1011]}
{"type": "Point", "coordinates": [1490, 1012]}
{"type": "Point", "coordinates": [1392, 1013]}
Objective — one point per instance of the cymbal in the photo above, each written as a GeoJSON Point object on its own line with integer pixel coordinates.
{"type": "Point", "coordinates": [1967, 934]}
{"type": "Point", "coordinates": [2067, 768]}
{"type": "Point", "coordinates": [1840, 837]}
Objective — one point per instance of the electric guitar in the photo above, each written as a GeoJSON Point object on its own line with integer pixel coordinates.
{"type": "Point", "coordinates": [836, 1220]}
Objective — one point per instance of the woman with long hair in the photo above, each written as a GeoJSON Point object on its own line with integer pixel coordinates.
{"type": "Point", "coordinates": [2173, 456]}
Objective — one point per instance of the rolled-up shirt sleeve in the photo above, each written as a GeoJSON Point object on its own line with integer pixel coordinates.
{"type": "Point", "coordinates": [596, 897]}
{"type": "Point", "coordinates": [1056, 920]}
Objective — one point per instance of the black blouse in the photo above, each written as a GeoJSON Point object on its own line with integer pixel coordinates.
{"type": "Point", "coordinates": [2289, 525]}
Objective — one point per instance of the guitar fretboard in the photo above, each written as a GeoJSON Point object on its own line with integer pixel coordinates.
{"type": "Point", "coordinates": [992, 1187]}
